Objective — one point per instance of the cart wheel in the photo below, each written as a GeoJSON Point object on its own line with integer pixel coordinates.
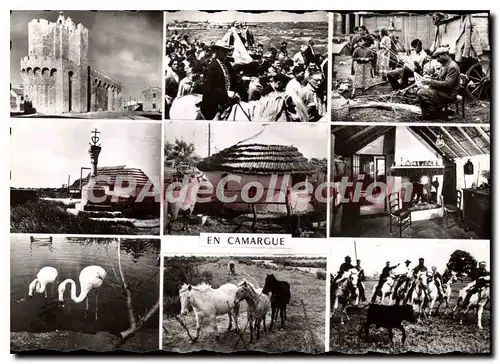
{"type": "Point", "coordinates": [478, 84]}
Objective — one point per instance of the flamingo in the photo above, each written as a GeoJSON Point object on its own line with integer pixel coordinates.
{"type": "Point", "coordinates": [91, 277]}
{"type": "Point", "coordinates": [45, 276]}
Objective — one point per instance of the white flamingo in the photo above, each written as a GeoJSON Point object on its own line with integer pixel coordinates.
{"type": "Point", "coordinates": [91, 277]}
{"type": "Point", "coordinates": [45, 276]}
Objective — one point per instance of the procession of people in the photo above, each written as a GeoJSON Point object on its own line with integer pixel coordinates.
{"type": "Point", "coordinates": [237, 69]}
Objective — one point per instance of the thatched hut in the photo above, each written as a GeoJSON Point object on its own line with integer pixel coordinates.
{"type": "Point", "coordinates": [277, 168]}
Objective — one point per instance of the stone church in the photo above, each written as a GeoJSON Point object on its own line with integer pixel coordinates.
{"type": "Point", "coordinates": [57, 75]}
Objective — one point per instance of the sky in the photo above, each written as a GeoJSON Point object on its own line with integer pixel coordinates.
{"type": "Point", "coordinates": [126, 46]}
{"type": "Point", "coordinates": [373, 253]}
{"type": "Point", "coordinates": [310, 139]}
{"type": "Point", "coordinates": [44, 154]}
{"type": "Point", "coordinates": [232, 15]}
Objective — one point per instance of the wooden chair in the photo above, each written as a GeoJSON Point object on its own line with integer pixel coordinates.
{"type": "Point", "coordinates": [453, 209]}
{"type": "Point", "coordinates": [401, 216]}
{"type": "Point", "coordinates": [459, 100]}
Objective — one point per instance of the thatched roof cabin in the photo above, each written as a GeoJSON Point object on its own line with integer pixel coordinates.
{"type": "Point", "coordinates": [258, 159]}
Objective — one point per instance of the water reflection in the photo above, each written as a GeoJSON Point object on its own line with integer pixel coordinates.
{"type": "Point", "coordinates": [71, 256]}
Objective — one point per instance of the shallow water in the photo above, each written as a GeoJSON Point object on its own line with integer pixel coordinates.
{"type": "Point", "coordinates": [69, 257]}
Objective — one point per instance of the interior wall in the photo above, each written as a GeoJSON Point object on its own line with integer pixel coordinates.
{"type": "Point", "coordinates": [408, 147]}
{"type": "Point", "coordinates": [480, 162]}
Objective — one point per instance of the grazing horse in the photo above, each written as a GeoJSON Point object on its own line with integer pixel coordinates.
{"type": "Point", "coordinates": [276, 106]}
{"type": "Point", "coordinates": [208, 303]}
{"type": "Point", "coordinates": [280, 298]}
{"type": "Point", "coordinates": [183, 200]}
{"type": "Point", "coordinates": [232, 270]}
{"type": "Point", "coordinates": [418, 295]}
{"type": "Point", "coordinates": [386, 289]}
{"type": "Point", "coordinates": [478, 300]}
{"type": "Point", "coordinates": [447, 291]}
{"type": "Point", "coordinates": [258, 306]}
{"type": "Point", "coordinates": [347, 290]}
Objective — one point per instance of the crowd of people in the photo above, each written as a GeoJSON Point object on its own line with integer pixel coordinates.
{"type": "Point", "coordinates": [436, 75]}
{"type": "Point", "coordinates": [231, 70]}
{"type": "Point", "coordinates": [410, 274]}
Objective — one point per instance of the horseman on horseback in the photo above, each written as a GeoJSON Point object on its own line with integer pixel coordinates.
{"type": "Point", "coordinates": [383, 277]}
{"type": "Point", "coordinates": [339, 278]}
{"type": "Point", "coordinates": [438, 279]}
{"type": "Point", "coordinates": [404, 279]}
{"type": "Point", "coordinates": [482, 280]}
{"type": "Point", "coordinates": [220, 83]}
{"type": "Point", "coordinates": [418, 269]}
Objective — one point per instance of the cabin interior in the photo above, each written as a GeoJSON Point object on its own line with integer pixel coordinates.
{"type": "Point", "coordinates": [411, 181]}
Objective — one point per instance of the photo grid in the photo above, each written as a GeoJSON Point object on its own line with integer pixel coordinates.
{"type": "Point", "coordinates": [186, 217]}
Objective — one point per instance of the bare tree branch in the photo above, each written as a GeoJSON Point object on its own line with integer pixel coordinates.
{"type": "Point", "coordinates": [179, 320]}
{"type": "Point", "coordinates": [130, 306]}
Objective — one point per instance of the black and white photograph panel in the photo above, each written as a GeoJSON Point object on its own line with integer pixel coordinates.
{"type": "Point", "coordinates": [255, 300]}
{"type": "Point", "coordinates": [411, 182]}
{"type": "Point", "coordinates": [246, 66]}
{"type": "Point", "coordinates": [396, 296]}
{"type": "Point", "coordinates": [85, 177]}
{"type": "Point", "coordinates": [245, 178]}
{"type": "Point", "coordinates": [86, 64]}
{"type": "Point", "coordinates": [411, 66]}
{"type": "Point", "coordinates": [82, 293]}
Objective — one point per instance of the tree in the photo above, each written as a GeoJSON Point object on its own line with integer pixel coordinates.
{"type": "Point", "coordinates": [180, 151]}
{"type": "Point", "coordinates": [462, 262]}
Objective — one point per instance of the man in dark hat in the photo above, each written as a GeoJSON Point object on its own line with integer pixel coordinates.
{"type": "Point", "coordinates": [404, 278]}
{"type": "Point", "coordinates": [419, 269]}
{"type": "Point", "coordinates": [386, 271]}
{"type": "Point", "coordinates": [220, 83]}
{"type": "Point", "coordinates": [442, 89]}
{"type": "Point", "coordinates": [415, 64]}
{"type": "Point", "coordinates": [344, 267]}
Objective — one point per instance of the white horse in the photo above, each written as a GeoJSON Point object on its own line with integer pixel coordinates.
{"type": "Point", "coordinates": [276, 106]}
{"type": "Point", "coordinates": [418, 295]}
{"type": "Point", "coordinates": [447, 291]}
{"type": "Point", "coordinates": [258, 306]}
{"type": "Point", "coordinates": [478, 300]}
{"type": "Point", "coordinates": [208, 303]}
{"type": "Point", "coordinates": [386, 289]}
{"type": "Point", "coordinates": [347, 289]}
{"type": "Point", "coordinates": [433, 294]}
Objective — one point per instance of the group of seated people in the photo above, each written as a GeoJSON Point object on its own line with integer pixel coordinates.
{"type": "Point", "coordinates": [481, 277]}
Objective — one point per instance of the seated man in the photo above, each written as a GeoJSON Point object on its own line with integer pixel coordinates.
{"type": "Point", "coordinates": [435, 92]}
{"type": "Point", "coordinates": [416, 64]}
{"type": "Point", "coordinates": [438, 280]}
{"type": "Point", "coordinates": [383, 277]}
{"type": "Point", "coordinates": [482, 279]}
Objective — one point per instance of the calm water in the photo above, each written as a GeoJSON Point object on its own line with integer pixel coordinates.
{"type": "Point", "coordinates": [69, 257]}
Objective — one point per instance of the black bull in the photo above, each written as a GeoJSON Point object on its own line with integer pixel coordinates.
{"type": "Point", "coordinates": [389, 317]}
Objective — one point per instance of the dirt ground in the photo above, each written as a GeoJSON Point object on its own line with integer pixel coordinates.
{"type": "Point", "coordinates": [475, 111]}
{"type": "Point", "coordinates": [435, 335]}
{"type": "Point", "coordinates": [142, 341]}
{"type": "Point", "coordinates": [242, 224]}
{"type": "Point", "coordinates": [300, 334]}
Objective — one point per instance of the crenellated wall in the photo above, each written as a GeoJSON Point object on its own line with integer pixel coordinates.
{"type": "Point", "coordinates": [105, 92]}
{"type": "Point", "coordinates": [57, 76]}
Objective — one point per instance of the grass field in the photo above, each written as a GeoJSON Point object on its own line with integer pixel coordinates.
{"type": "Point", "coordinates": [435, 335]}
{"type": "Point", "coordinates": [271, 35]}
{"type": "Point", "coordinates": [300, 334]}
{"type": "Point", "coordinates": [52, 217]}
